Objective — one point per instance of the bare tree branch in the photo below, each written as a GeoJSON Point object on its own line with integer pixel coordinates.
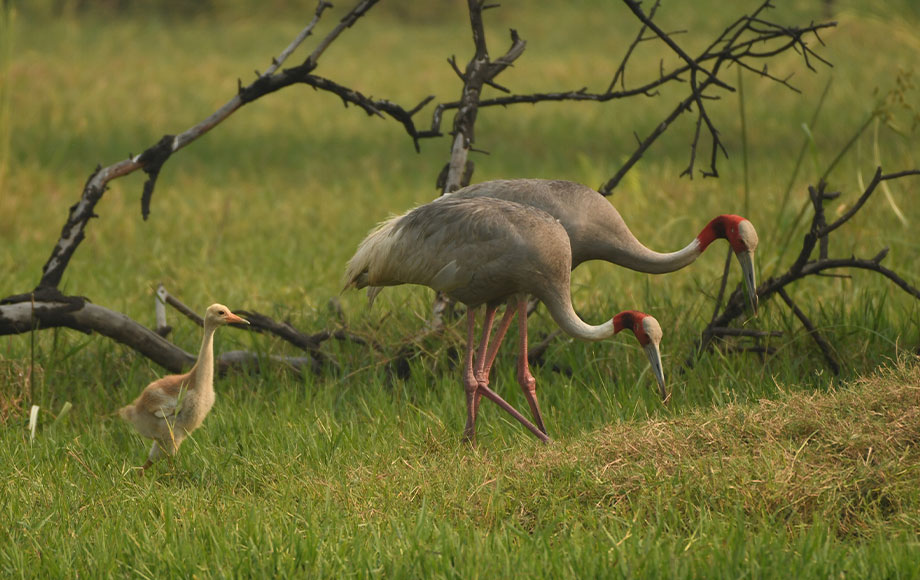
{"type": "Point", "coordinates": [285, 330]}
{"type": "Point", "coordinates": [804, 265]}
{"type": "Point", "coordinates": [751, 38]}
{"type": "Point", "coordinates": [692, 64]}
{"type": "Point", "coordinates": [152, 160]}
{"type": "Point", "coordinates": [47, 307]}
{"type": "Point", "coordinates": [620, 73]}
{"type": "Point", "coordinates": [735, 45]}
{"type": "Point", "coordinates": [83, 316]}
{"type": "Point", "coordinates": [812, 331]}
{"type": "Point", "coordinates": [727, 331]}
{"type": "Point", "coordinates": [481, 70]}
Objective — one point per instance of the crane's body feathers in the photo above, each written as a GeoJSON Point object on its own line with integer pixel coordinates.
{"type": "Point", "coordinates": [475, 251]}
{"type": "Point", "coordinates": [595, 227]}
{"type": "Point", "coordinates": [173, 397]}
{"type": "Point", "coordinates": [598, 232]}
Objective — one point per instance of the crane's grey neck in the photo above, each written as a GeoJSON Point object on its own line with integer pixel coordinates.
{"type": "Point", "coordinates": [639, 258]}
{"type": "Point", "coordinates": [560, 308]}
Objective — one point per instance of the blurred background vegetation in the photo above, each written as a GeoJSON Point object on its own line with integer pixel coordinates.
{"type": "Point", "coordinates": [264, 212]}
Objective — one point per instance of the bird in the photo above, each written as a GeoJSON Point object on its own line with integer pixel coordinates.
{"type": "Point", "coordinates": [598, 232]}
{"type": "Point", "coordinates": [171, 407]}
{"type": "Point", "coordinates": [487, 252]}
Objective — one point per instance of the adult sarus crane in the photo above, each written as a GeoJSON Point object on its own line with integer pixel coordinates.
{"type": "Point", "coordinates": [485, 251]}
{"type": "Point", "coordinates": [597, 232]}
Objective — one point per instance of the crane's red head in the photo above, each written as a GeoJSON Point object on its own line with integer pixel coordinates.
{"type": "Point", "coordinates": [633, 320]}
{"type": "Point", "coordinates": [742, 237]}
{"type": "Point", "coordinates": [648, 332]}
{"type": "Point", "coordinates": [739, 232]}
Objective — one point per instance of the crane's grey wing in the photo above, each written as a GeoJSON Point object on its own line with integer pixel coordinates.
{"type": "Point", "coordinates": [594, 226]}
{"type": "Point", "coordinates": [475, 249]}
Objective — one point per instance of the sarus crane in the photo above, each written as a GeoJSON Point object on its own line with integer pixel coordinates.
{"type": "Point", "coordinates": [486, 252]}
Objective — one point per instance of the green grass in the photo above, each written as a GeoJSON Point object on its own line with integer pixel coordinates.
{"type": "Point", "coordinates": [760, 468]}
{"type": "Point", "coordinates": [293, 479]}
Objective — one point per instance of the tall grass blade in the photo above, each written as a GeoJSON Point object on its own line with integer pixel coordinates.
{"type": "Point", "coordinates": [798, 161]}
{"type": "Point", "coordinates": [33, 422]}
{"type": "Point", "coordinates": [840, 154]}
{"type": "Point", "coordinates": [7, 37]}
{"type": "Point", "coordinates": [781, 211]}
{"type": "Point", "coordinates": [878, 163]}
{"type": "Point", "coordinates": [64, 410]}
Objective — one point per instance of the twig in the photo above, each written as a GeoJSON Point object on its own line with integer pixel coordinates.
{"type": "Point", "coordinates": [620, 73]}
{"type": "Point", "coordinates": [723, 284]}
{"type": "Point", "coordinates": [265, 324]}
{"type": "Point", "coordinates": [347, 21]}
{"type": "Point", "coordinates": [876, 180]}
{"type": "Point", "coordinates": [168, 298]}
{"type": "Point", "coordinates": [321, 6]}
{"type": "Point", "coordinates": [535, 353]}
{"type": "Point", "coordinates": [729, 331]}
{"type": "Point", "coordinates": [152, 159]}
{"type": "Point", "coordinates": [812, 331]}
{"type": "Point", "coordinates": [694, 65]}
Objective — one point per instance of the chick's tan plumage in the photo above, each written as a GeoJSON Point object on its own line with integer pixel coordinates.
{"type": "Point", "coordinates": [170, 408]}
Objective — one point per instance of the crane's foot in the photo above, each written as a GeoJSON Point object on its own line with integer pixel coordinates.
{"type": "Point", "coordinates": [490, 394]}
{"type": "Point", "coordinates": [143, 468]}
{"type": "Point", "coordinates": [537, 416]}
{"type": "Point", "coordinates": [530, 393]}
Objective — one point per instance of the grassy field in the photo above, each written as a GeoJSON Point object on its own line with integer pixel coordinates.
{"type": "Point", "coordinates": [759, 468]}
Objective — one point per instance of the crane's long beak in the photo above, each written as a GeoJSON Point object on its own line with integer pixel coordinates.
{"type": "Point", "coordinates": [746, 259]}
{"type": "Point", "coordinates": [231, 317]}
{"type": "Point", "coordinates": [654, 358]}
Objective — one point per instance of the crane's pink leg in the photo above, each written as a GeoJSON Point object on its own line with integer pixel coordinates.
{"type": "Point", "coordinates": [503, 327]}
{"type": "Point", "coordinates": [525, 379]}
{"type": "Point", "coordinates": [481, 355]}
{"type": "Point", "coordinates": [470, 383]}
{"type": "Point", "coordinates": [489, 393]}
{"type": "Point", "coordinates": [474, 388]}
{"type": "Point", "coordinates": [144, 468]}
{"type": "Point", "coordinates": [484, 341]}
{"type": "Point", "coordinates": [485, 363]}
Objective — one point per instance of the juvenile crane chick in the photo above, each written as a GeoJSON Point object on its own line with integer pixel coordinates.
{"type": "Point", "coordinates": [172, 407]}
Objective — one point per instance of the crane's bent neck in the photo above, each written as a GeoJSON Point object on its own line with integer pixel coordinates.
{"type": "Point", "coordinates": [560, 308]}
{"type": "Point", "coordinates": [642, 259]}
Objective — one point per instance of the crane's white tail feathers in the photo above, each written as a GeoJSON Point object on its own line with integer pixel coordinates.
{"type": "Point", "coordinates": [372, 250]}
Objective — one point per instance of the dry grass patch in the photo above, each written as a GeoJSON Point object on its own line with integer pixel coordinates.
{"type": "Point", "coordinates": [845, 460]}
{"type": "Point", "coordinates": [849, 457]}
